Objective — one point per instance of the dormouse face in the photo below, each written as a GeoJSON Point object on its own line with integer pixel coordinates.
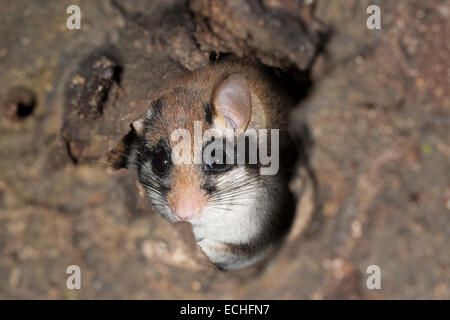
{"type": "Point", "coordinates": [197, 190]}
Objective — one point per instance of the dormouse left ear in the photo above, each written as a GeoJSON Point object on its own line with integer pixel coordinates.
{"type": "Point", "coordinates": [232, 102]}
{"type": "Point", "coordinates": [138, 126]}
{"type": "Point", "coordinates": [119, 156]}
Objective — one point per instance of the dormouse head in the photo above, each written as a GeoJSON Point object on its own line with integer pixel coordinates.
{"type": "Point", "coordinates": [187, 150]}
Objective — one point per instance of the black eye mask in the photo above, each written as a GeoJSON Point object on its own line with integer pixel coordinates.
{"type": "Point", "coordinates": [159, 157]}
{"type": "Point", "coordinates": [218, 161]}
{"type": "Point", "coordinates": [161, 162]}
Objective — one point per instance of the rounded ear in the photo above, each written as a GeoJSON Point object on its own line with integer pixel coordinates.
{"type": "Point", "coordinates": [232, 101]}
{"type": "Point", "coordinates": [138, 126]}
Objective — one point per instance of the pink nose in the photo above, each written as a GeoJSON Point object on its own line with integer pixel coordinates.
{"type": "Point", "coordinates": [186, 201]}
{"type": "Point", "coordinates": [187, 208]}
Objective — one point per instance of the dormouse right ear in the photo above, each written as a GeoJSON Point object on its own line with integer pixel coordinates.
{"type": "Point", "coordinates": [138, 126]}
{"type": "Point", "coordinates": [232, 102]}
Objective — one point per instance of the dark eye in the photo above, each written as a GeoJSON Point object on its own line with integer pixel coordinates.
{"type": "Point", "coordinates": [160, 162]}
{"type": "Point", "coordinates": [217, 164]}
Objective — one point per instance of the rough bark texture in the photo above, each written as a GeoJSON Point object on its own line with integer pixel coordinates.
{"type": "Point", "coordinates": [375, 109]}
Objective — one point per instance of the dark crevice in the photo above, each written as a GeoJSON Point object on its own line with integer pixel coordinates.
{"type": "Point", "coordinates": [25, 109]}
{"type": "Point", "coordinates": [19, 104]}
{"type": "Point", "coordinates": [69, 153]}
